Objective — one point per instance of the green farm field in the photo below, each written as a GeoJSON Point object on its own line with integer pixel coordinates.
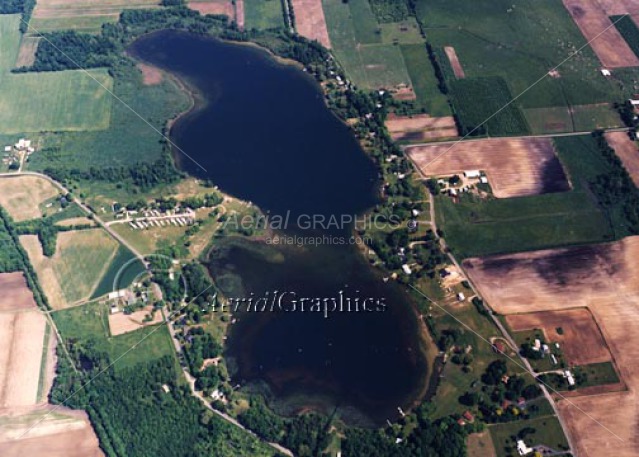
{"type": "Point", "coordinates": [63, 101]}
{"type": "Point", "coordinates": [80, 15]}
{"type": "Point", "coordinates": [521, 43]}
{"type": "Point", "coordinates": [128, 139]}
{"type": "Point", "coordinates": [422, 74]}
{"type": "Point", "coordinates": [368, 62]}
{"type": "Point", "coordinates": [476, 227]}
{"type": "Point", "coordinates": [263, 14]}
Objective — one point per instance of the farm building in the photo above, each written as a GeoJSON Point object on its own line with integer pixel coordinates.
{"type": "Point", "coordinates": [472, 174]}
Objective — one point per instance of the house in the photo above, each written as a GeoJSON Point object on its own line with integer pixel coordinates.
{"type": "Point", "coordinates": [483, 180]}
{"type": "Point", "coordinates": [634, 102]}
{"type": "Point", "coordinates": [461, 296]}
{"type": "Point", "coordinates": [605, 72]}
{"type": "Point", "coordinates": [522, 449]}
{"type": "Point", "coordinates": [537, 345]}
{"type": "Point", "coordinates": [116, 294]}
{"type": "Point", "coordinates": [569, 377]}
{"type": "Point", "coordinates": [114, 309]}
{"type": "Point", "coordinates": [406, 269]}
{"type": "Point", "coordinates": [469, 416]}
{"type": "Point", "coordinates": [545, 349]}
{"type": "Point", "coordinates": [166, 388]}
{"type": "Point", "coordinates": [8, 149]}
{"type": "Point", "coordinates": [472, 174]}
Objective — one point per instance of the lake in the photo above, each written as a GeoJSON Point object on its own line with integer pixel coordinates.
{"type": "Point", "coordinates": [261, 132]}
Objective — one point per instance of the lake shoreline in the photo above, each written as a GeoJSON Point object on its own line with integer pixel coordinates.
{"type": "Point", "coordinates": [198, 103]}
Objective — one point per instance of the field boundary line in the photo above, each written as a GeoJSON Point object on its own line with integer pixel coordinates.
{"type": "Point", "coordinates": [545, 75]}
{"type": "Point", "coordinates": [516, 362]}
{"type": "Point", "coordinates": [110, 92]}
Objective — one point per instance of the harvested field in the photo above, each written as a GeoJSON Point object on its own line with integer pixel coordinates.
{"type": "Point", "coordinates": [81, 259]}
{"type": "Point", "coordinates": [21, 344]}
{"type": "Point", "coordinates": [62, 433]}
{"type": "Point", "coordinates": [310, 21]}
{"type": "Point", "coordinates": [610, 47]}
{"type": "Point", "coordinates": [603, 278]}
{"type": "Point", "coordinates": [515, 167]}
{"type": "Point", "coordinates": [223, 7]}
{"type": "Point", "coordinates": [557, 279]}
{"type": "Point", "coordinates": [28, 48]}
{"type": "Point", "coordinates": [150, 75]}
{"type": "Point", "coordinates": [22, 196]}
{"type": "Point", "coordinates": [454, 62]}
{"type": "Point", "coordinates": [15, 293]}
{"type": "Point", "coordinates": [120, 323]}
{"type": "Point", "coordinates": [44, 270]}
{"type": "Point", "coordinates": [627, 151]}
{"type": "Point", "coordinates": [581, 341]}
{"type": "Point", "coordinates": [421, 127]}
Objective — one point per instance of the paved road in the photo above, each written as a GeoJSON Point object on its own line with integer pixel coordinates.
{"type": "Point", "coordinates": [200, 396]}
{"type": "Point", "coordinates": [178, 349]}
{"type": "Point", "coordinates": [503, 331]}
{"type": "Point", "coordinates": [546, 135]}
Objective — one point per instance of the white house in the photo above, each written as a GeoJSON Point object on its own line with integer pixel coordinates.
{"type": "Point", "coordinates": [605, 72]}
{"type": "Point", "coordinates": [461, 296]}
{"type": "Point", "coordinates": [522, 449]}
{"type": "Point", "coordinates": [406, 269]}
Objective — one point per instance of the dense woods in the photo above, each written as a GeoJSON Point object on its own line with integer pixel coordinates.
{"type": "Point", "coordinates": [614, 188]}
{"type": "Point", "coordinates": [14, 258]}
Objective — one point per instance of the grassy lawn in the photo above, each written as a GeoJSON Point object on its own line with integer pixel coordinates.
{"type": "Point", "coordinates": [424, 81]}
{"type": "Point", "coordinates": [547, 431]}
{"type": "Point", "coordinates": [89, 322]}
{"type": "Point", "coordinates": [519, 43]}
{"type": "Point", "coordinates": [59, 101]}
{"type": "Point", "coordinates": [598, 374]}
{"type": "Point", "coordinates": [476, 227]}
{"type": "Point", "coordinates": [263, 14]}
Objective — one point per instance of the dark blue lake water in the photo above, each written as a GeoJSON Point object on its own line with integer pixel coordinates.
{"type": "Point", "coordinates": [262, 133]}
